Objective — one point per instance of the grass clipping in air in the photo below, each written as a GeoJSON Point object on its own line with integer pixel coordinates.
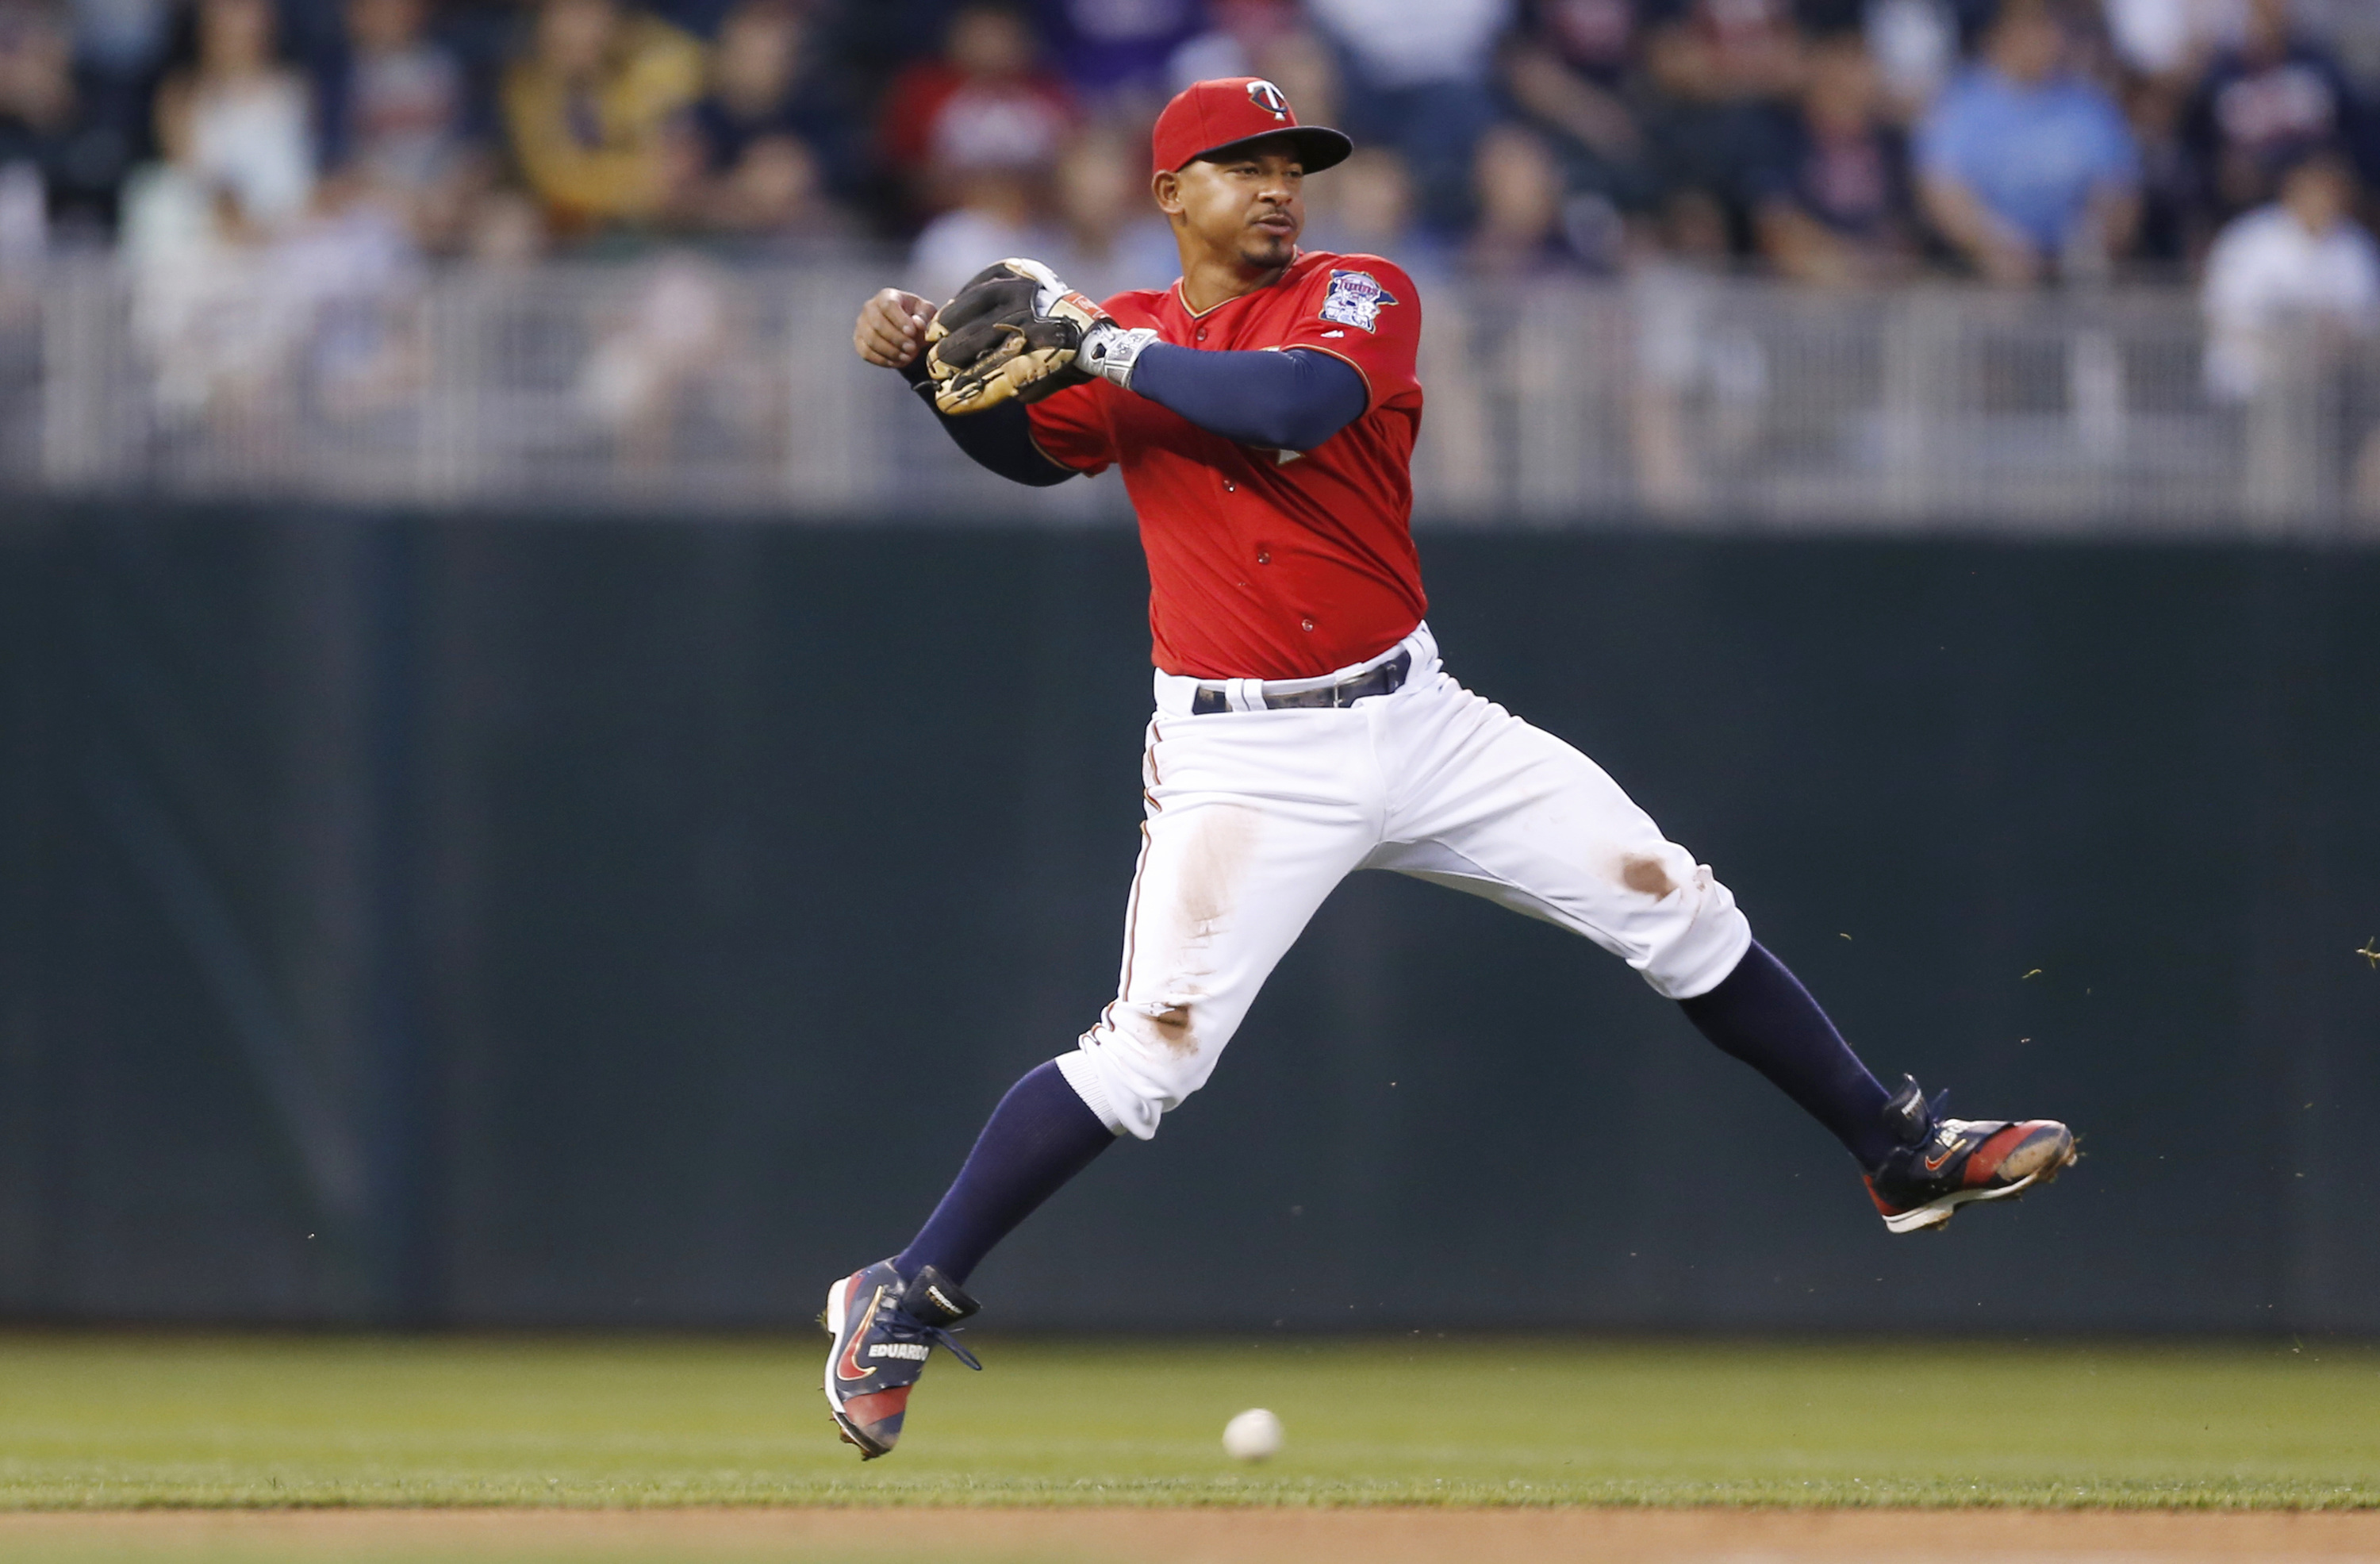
{"type": "Point", "coordinates": [110, 1422]}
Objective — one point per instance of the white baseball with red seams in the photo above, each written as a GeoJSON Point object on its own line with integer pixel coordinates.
{"type": "Point", "coordinates": [1254, 815]}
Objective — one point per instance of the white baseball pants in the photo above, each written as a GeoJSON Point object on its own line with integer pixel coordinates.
{"type": "Point", "coordinates": [1255, 816]}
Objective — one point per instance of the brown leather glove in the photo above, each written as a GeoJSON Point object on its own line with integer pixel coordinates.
{"type": "Point", "coordinates": [1014, 330]}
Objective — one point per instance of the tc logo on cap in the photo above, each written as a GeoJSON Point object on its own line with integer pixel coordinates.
{"type": "Point", "coordinates": [1270, 98]}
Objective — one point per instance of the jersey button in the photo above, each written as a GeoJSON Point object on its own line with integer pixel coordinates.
{"type": "Point", "coordinates": [1230, 487]}
{"type": "Point", "coordinates": [1263, 558]}
{"type": "Point", "coordinates": [1202, 334]}
{"type": "Point", "coordinates": [1305, 624]}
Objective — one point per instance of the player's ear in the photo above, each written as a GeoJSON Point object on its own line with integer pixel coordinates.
{"type": "Point", "coordinates": [1166, 188]}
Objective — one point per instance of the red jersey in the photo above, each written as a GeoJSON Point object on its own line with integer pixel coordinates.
{"type": "Point", "coordinates": [1268, 564]}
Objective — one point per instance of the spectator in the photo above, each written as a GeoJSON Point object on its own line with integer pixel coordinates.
{"type": "Point", "coordinates": [398, 113]}
{"type": "Point", "coordinates": [773, 200]}
{"type": "Point", "coordinates": [1833, 204]}
{"type": "Point", "coordinates": [122, 38]}
{"type": "Point", "coordinates": [336, 291]}
{"type": "Point", "coordinates": [766, 81]}
{"type": "Point", "coordinates": [1116, 52]}
{"type": "Point", "coordinates": [2026, 167]}
{"type": "Point", "coordinates": [1727, 71]}
{"type": "Point", "coordinates": [2299, 262]}
{"type": "Point", "coordinates": [1915, 44]}
{"type": "Point", "coordinates": [1236, 35]}
{"type": "Point", "coordinates": [1419, 78]}
{"type": "Point", "coordinates": [757, 137]}
{"type": "Point", "coordinates": [984, 109]}
{"type": "Point", "coordinates": [239, 123]}
{"type": "Point", "coordinates": [1111, 236]}
{"type": "Point", "coordinates": [977, 134]}
{"type": "Point", "coordinates": [2173, 39]}
{"type": "Point", "coordinates": [2350, 31]}
{"type": "Point", "coordinates": [396, 117]}
{"type": "Point", "coordinates": [676, 352]}
{"type": "Point", "coordinates": [1366, 207]}
{"type": "Point", "coordinates": [2265, 104]}
{"type": "Point", "coordinates": [1975, 17]}
{"type": "Point", "coordinates": [1266, 38]}
{"type": "Point", "coordinates": [1573, 69]}
{"type": "Point", "coordinates": [2175, 206]}
{"type": "Point", "coordinates": [118, 44]}
{"type": "Point", "coordinates": [1521, 232]}
{"type": "Point", "coordinates": [73, 160]}
{"type": "Point", "coordinates": [1728, 52]}
{"type": "Point", "coordinates": [590, 108]}
{"type": "Point", "coordinates": [252, 278]}
{"type": "Point", "coordinates": [1000, 217]}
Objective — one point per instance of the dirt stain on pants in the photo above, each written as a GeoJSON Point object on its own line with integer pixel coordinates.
{"type": "Point", "coordinates": [1646, 876]}
{"type": "Point", "coordinates": [1203, 890]}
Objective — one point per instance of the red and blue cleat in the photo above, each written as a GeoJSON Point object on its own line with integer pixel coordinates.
{"type": "Point", "coordinates": [884, 1330]}
{"type": "Point", "coordinates": [1942, 1163]}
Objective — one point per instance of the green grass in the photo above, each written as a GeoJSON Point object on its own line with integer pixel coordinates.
{"type": "Point", "coordinates": [124, 1422]}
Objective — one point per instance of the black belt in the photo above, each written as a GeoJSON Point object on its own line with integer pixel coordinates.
{"type": "Point", "coordinates": [1386, 679]}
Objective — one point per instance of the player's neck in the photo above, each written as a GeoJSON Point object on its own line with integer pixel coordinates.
{"type": "Point", "coordinates": [1208, 280]}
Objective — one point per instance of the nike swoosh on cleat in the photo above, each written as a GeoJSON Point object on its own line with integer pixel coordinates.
{"type": "Point", "coordinates": [849, 1368]}
{"type": "Point", "coordinates": [1934, 1164]}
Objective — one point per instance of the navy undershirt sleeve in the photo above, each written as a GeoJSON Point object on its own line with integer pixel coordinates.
{"type": "Point", "coordinates": [1290, 401]}
{"type": "Point", "coordinates": [1000, 440]}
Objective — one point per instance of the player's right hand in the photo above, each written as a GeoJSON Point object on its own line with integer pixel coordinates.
{"type": "Point", "coordinates": [891, 329]}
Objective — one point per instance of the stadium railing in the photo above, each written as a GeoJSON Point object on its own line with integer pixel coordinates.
{"type": "Point", "coordinates": [1676, 398]}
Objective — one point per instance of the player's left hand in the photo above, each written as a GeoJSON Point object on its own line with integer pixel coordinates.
{"type": "Point", "coordinates": [1014, 330]}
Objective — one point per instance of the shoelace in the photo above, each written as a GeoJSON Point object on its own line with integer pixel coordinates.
{"type": "Point", "coordinates": [1915, 1151]}
{"type": "Point", "coordinates": [901, 1326]}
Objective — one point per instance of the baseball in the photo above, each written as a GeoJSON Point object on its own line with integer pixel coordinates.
{"type": "Point", "coordinates": [1255, 1435]}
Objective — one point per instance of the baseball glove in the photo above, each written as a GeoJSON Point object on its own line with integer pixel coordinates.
{"type": "Point", "coordinates": [1014, 330]}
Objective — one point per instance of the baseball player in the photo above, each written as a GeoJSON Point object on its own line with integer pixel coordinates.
{"type": "Point", "coordinates": [1264, 409]}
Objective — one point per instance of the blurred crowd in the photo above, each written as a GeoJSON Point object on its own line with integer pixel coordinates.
{"type": "Point", "coordinates": [2026, 142]}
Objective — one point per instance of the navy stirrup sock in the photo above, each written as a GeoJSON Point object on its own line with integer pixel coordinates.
{"type": "Point", "coordinates": [1763, 1016]}
{"type": "Point", "coordinates": [1041, 1135]}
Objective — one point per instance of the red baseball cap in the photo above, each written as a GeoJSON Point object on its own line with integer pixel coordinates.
{"type": "Point", "coordinates": [1206, 117]}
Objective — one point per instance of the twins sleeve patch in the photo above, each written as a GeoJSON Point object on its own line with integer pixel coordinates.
{"type": "Point", "coordinates": [1356, 299]}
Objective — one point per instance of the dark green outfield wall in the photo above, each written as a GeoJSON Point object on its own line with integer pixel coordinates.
{"type": "Point", "coordinates": [488, 922]}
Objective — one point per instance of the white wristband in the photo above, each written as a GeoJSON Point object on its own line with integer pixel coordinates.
{"type": "Point", "coordinates": [1110, 351]}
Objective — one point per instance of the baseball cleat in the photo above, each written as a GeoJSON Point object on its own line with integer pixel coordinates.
{"type": "Point", "coordinates": [884, 1330]}
{"type": "Point", "coordinates": [1944, 1162]}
